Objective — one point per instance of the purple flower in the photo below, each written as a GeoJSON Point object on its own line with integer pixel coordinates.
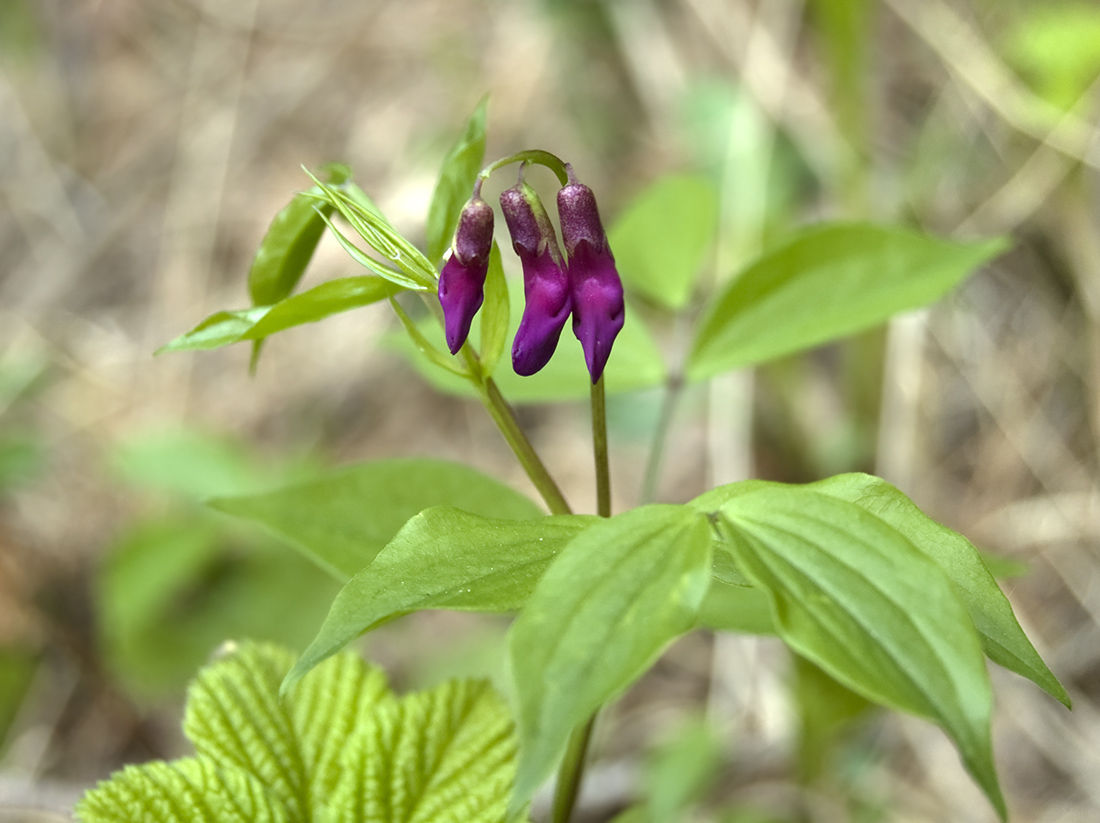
{"type": "Point", "coordinates": [545, 282]}
{"type": "Point", "coordinates": [598, 310]}
{"type": "Point", "coordinates": [462, 281]}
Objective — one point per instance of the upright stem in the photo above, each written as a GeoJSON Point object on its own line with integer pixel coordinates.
{"type": "Point", "coordinates": [572, 765]}
{"type": "Point", "coordinates": [505, 418]}
{"type": "Point", "coordinates": [599, 449]}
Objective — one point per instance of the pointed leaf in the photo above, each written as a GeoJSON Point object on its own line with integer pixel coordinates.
{"type": "Point", "coordinates": [191, 790]}
{"type": "Point", "coordinates": [441, 756]}
{"type": "Point", "coordinates": [617, 594]}
{"type": "Point", "coordinates": [324, 300]}
{"type": "Point", "coordinates": [856, 598]}
{"type": "Point", "coordinates": [456, 182]}
{"type": "Point", "coordinates": [444, 558]}
{"type": "Point", "coordinates": [235, 718]}
{"type": "Point", "coordinates": [830, 281]}
{"type": "Point", "coordinates": [736, 609]}
{"type": "Point", "coordinates": [370, 264]}
{"type": "Point", "coordinates": [288, 245]}
{"type": "Point", "coordinates": [662, 240]}
{"type": "Point", "coordinates": [342, 520]}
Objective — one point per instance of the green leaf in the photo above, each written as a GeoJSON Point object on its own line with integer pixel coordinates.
{"type": "Point", "coordinates": [441, 756]}
{"type": "Point", "coordinates": [1056, 47]}
{"type": "Point", "coordinates": [288, 245]}
{"type": "Point", "coordinates": [736, 609]}
{"type": "Point", "coordinates": [662, 240]}
{"type": "Point", "coordinates": [342, 521]}
{"type": "Point", "coordinates": [328, 298]}
{"type": "Point", "coordinates": [1002, 638]}
{"type": "Point", "coordinates": [856, 598]}
{"type": "Point", "coordinates": [191, 790]}
{"type": "Point", "coordinates": [444, 558]}
{"type": "Point", "coordinates": [617, 594]}
{"type": "Point", "coordinates": [495, 314]}
{"type": "Point", "coordinates": [828, 282]}
{"type": "Point", "coordinates": [456, 182]}
{"type": "Point", "coordinates": [370, 264]}
{"type": "Point", "coordinates": [235, 718]}
{"type": "Point", "coordinates": [827, 713]}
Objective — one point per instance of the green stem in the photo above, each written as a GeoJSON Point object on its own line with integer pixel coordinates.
{"type": "Point", "coordinates": [542, 158]}
{"type": "Point", "coordinates": [505, 418]}
{"type": "Point", "coordinates": [673, 386]}
{"type": "Point", "coordinates": [599, 449]}
{"type": "Point", "coordinates": [572, 766]}
{"type": "Point", "coordinates": [572, 770]}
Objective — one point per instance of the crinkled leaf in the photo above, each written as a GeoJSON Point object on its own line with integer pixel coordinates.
{"type": "Point", "coordinates": [495, 314]}
{"type": "Point", "coordinates": [288, 245]}
{"type": "Point", "coordinates": [234, 717]}
{"type": "Point", "coordinates": [441, 756]}
{"type": "Point", "coordinates": [191, 790]}
{"type": "Point", "coordinates": [444, 558]}
{"type": "Point", "coordinates": [342, 520]}
{"type": "Point", "coordinates": [617, 594]}
{"type": "Point", "coordinates": [854, 596]}
{"type": "Point", "coordinates": [828, 282]}
{"type": "Point", "coordinates": [456, 182]}
{"type": "Point", "coordinates": [661, 241]}
{"type": "Point", "coordinates": [328, 298]}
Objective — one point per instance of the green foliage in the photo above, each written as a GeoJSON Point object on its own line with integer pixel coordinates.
{"type": "Point", "coordinates": [342, 520]}
{"type": "Point", "coordinates": [663, 239]}
{"type": "Point", "coordinates": [339, 747]}
{"type": "Point", "coordinates": [456, 182]}
{"type": "Point", "coordinates": [828, 282]}
{"type": "Point", "coordinates": [618, 593]}
{"type": "Point", "coordinates": [444, 558]}
{"type": "Point", "coordinates": [496, 314]}
{"type": "Point", "coordinates": [1056, 47]}
{"type": "Point", "coordinates": [855, 597]}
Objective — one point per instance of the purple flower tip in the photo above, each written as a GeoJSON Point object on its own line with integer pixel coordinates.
{"type": "Point", "coordinates": [598, 309]}
{"type": "Point", "coordinates": [546, 286]}
{"type": "Point", "coordinates": [462, 281]}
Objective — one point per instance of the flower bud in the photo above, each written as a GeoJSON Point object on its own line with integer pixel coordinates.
{"type": "Point", "coordinates": [462, 281]}
{"type": "Point", "coordinates": [545, 282]}
{"type": "Point", "coordinates": [598, 310]}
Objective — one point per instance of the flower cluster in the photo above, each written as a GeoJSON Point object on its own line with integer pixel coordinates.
{"type": "Point", "coordinates": [587, 286]}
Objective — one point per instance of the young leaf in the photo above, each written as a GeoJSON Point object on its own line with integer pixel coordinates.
{"type": "Point", "coordinates": [183, 791]}
{"type": "Point", "coordinates": [1002, 638]}
{"type": "Point", "coordinates": [617, 594]}
{"type": "Point", "coordinates": [441, 756]}
{"type": "Point", "coordinates": [289, 243]}
{"type": "Point", "coordinates": [325, 300]}
{"type": "Point", "coordinates": [736, 609]}
{"type": "Point", "coordinates": [456, 182]}
{"type": "Point", "coordinates": [495, 314]}
{"type": "Point", "coordinates": [235, 718]}
{"type": "Point", "coordinates": [856, 598]}
{"type": "Point", "coordinates": [342, 520]}
{"type": "Point", "coordinates": [443, 559]}
{"type": "Point", "coordinates": [370, 264]}
{"type": "Point", "coordinates": [828, 282]}
{"type": "Point", "coordinates": [662, 239]}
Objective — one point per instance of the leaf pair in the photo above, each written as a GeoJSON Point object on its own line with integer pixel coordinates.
{"type": "Point", "coordinates": [340, 747]}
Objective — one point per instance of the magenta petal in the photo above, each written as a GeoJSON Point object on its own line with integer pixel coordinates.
{"type": "Point", "coordinates": [461, 293]}
{"type": "Point", "coordinates": [598, 309]}
{"type": "Point", "coordinates": [548, 298]}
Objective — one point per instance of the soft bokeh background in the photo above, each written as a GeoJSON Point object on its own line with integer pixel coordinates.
{"type": "Point", "coordinates": [145, 145]}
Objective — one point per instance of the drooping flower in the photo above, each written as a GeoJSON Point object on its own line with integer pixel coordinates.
{"type": "Point", "coordinates": [598, 310]}
{"type": "Point", "coordinates": [545, 281]}
{"type": "Point", "coordinates": [462, 281]}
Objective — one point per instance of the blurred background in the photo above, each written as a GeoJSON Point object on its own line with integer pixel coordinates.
{"type": "Point", "coordinates": [144, 148]}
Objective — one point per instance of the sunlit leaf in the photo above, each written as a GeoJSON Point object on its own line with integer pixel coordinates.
{"type": "Point", "coordinates": [495, 314]}
{"type": "Point", "coordinates": [617, 594]}
{"type": "Point", "coordinates": [830, 281]}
